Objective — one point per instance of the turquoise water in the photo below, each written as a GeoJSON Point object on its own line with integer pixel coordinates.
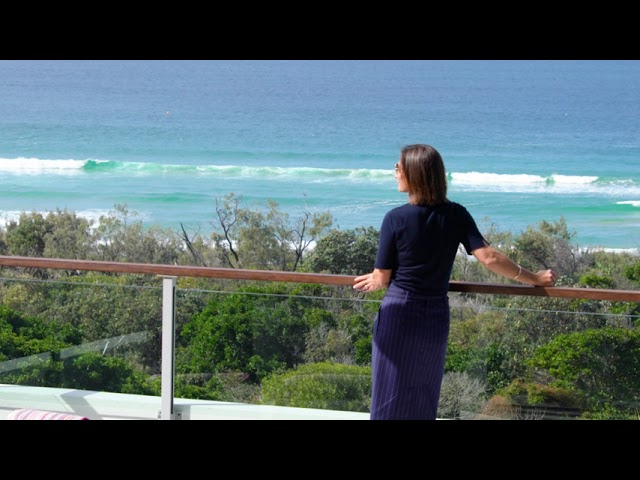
{"type": "Point", "coordinates": [523, 141]}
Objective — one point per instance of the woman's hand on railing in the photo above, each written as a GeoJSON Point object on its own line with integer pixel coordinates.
{"type": "Point", "coordinates": [545, 278]}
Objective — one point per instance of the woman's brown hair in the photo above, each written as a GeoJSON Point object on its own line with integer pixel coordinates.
{"type": "Point", "coordinates": [425, 174]}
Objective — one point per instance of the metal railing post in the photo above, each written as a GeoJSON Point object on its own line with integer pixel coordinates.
{"type": "Point", "coordinates": [168, 347]}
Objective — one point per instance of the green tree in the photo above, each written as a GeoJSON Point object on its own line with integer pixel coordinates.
{"type": "Point", "coordinates": [252, 331]}
{"type": "Point", "coordinates": [264, 240]}
{"type": "Point", "coordinates": [70, 236]}
{"type": "Point", "coordinates": [268, 240]}
{"type": "Point", "coordinates": [26, 236]}
{"type": "Point", "coordinates": [121, 237]}
{"type": "Point", "coordinates": [345, 252]}
{"type": "Point", "coordinates": [225, 229]}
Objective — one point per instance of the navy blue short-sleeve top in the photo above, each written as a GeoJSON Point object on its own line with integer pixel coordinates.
{"type": "Point", "coordinates": [419, 243]}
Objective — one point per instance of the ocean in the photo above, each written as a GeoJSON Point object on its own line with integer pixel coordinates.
{"type": "Point", "coordinates": [523, 140]}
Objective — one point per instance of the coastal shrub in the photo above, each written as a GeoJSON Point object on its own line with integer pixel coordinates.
{"type": "Point", "coordinates": [476, 346]}
{"type": "Point", "coordinates": [4, 248]}
{"type": "Point", "coordinates": [360, 326]}
{"type": "Point", "coordinates": [47, 354]}
{"type": "Point", "coordinates": [22, 336]}
{"type": "Point", "coordinates": [325, 344]}
{"type": "Point", "coordinates": [222, 387]}
{"type": "Point", "coordinates": [328, 386]}
{"type": "Point", "coordinates": [344, 337]}
{"type": "Point", "coordinates": [108, 373]}
{"type": "Point", "coordinates": [623, 309]}
{"type": "Point", "coordinates": [632, 272]}
{"type": "Point", "coordinates": [86, 371]}
{"type": "Point", "coordinates": [609, 412]}
{"type": "Point", "coordinates": [602, 364]}
{"type": "Point", "coordinates": [276, 338]}
{"type": "Point", "coordinates": [543, 398]}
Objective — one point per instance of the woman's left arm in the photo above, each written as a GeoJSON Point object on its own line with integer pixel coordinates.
{"type": "Point", "coordinates": [499, 263]}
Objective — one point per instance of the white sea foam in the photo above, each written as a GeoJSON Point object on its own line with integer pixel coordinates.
{"type": "Point", "coordinates": [36, 166]}
{"type": "Point", "coordinates": [511, 179]}
{"type": "Point", "coordinates": [572, 179]}
{"type": "Point", "coordinates": [554, 183]}
{"type": "Point", "coordinates": [493, 179]}
{"type": "Point", "coordinates": [464, 181]}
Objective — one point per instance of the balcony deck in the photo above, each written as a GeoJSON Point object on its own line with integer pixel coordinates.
{"type": "Point", "coordinates": [117, 406]}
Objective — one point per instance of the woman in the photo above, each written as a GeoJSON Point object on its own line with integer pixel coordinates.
{"type": "Point", "coordinates": [417, 247]}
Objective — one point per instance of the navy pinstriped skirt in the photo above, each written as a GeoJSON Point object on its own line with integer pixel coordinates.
{"type": "Point", "coordinates": [409, 344]}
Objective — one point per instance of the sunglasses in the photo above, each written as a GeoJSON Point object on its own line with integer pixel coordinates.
{"type": "Point", "coordinates": [397, 167]}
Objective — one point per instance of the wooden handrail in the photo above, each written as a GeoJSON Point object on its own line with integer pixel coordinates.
{"type": "Point", "coordinates": [300, 277]}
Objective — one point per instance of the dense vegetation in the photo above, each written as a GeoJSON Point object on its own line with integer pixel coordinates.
{"type": "Point", "coordinates": [307, 345]}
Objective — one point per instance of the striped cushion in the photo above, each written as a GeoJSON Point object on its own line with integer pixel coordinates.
{"type": "Point", "coordinates": [29, 414]}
